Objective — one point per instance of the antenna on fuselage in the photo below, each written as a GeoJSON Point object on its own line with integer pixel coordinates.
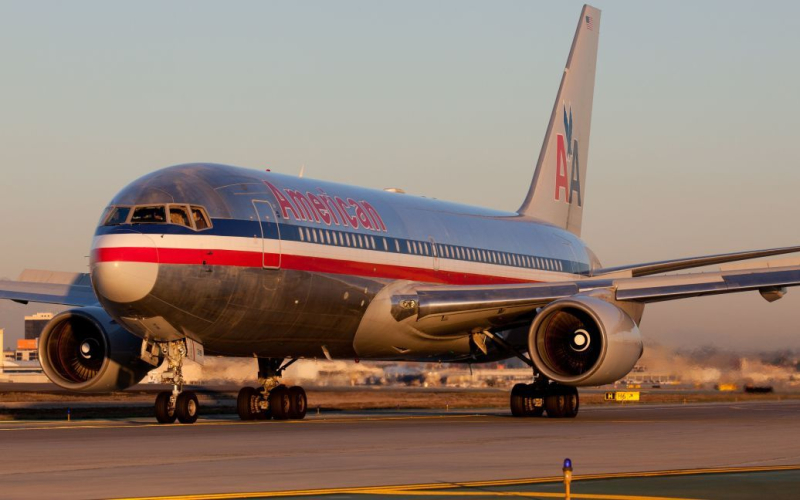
{"type": "Point", "coordinates": [302, 170]}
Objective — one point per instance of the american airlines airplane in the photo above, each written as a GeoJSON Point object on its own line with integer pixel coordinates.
{"type": "Point", "coordinates": [212, 260]}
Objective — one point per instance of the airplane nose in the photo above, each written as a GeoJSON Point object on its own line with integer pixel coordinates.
{"type": "Point", "coordinates": [124, 267]}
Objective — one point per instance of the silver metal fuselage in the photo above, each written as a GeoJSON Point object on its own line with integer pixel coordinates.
{"type": "Point", "coordinates": [291, 265]}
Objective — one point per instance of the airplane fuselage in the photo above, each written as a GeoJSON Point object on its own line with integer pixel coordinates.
{"type": "Point", "coordinates": [289, 265]}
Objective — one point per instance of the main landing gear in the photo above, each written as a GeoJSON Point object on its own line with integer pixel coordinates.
{"type": "Point", "coordinates": [533, 400]}
{"type": "Point", "coordinates": [177, 404]}
{"type": "Point", "coordinates": [272, 399]}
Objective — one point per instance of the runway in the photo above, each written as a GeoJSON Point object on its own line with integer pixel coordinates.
{"type": "Point", "coordinates": [137, 458]}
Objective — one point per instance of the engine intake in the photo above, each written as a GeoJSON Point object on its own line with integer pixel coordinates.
{"type": "Point", "coordinates": [584, 341]}
{"type": "Point", "coordinates": [85, 350]}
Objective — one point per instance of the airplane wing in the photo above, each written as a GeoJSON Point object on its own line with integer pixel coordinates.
{"type": "Point", "coordinates": [50, 287]}
{"type": "Point", "coordinates": [666, 266]}
{"type": "Point", "coordinates": [445, 310]}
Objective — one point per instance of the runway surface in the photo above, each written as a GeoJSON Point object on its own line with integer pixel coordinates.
{"type": "Point", "coordinates": [136, 458]}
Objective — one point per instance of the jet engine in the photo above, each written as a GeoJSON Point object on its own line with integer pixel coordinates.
{"type": "Point", "coordinates": [584, 341]}
{"type": "Point", "coordinates": [85, 350]}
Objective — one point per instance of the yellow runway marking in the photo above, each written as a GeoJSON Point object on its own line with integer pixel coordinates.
{"type": "Point", "coordinates": [434, 489]}
{"type": "Point", "coordinates": [524, 494]}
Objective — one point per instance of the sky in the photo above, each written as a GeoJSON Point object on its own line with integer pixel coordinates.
{"type": "Point", "coordinates": [692, 152]}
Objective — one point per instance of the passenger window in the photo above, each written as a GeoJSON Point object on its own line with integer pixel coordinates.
{"type": "Point", "coordinates": [201, 219]}
{"type": "Point", "coordinates": [117, 216]}
{"type": "Point", "coordinates": [149, 215]}
{"type": "Point", "coordinates": [385, 245]}
{"type": "Point", "coordinates": [179, 215]}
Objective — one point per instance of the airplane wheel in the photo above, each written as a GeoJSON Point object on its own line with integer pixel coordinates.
{"type": "Point", "coordinates": [530, 400]}
{"type": "Point", "coordinates": [279, 402]}
{"type": "Point", "coordinates": [518, 400]}
{"type": "Point", "coordinates": [165, 413]}
{"type": "Point", "coordinates": [247, 403]}
{"type": "Point", "coordinates": [297, 403]}
{"type": "Point", "coordinates": [186, 407]}
{"type": "Point", "coordinates": [555, 403]}
{"type": "Point", "coordinates": [571, 403]}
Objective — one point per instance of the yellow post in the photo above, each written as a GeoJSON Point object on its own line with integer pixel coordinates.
{"type": "Point", "coordinates": [567, 469]}
{"type": "Point", "coordinates": [69, 415]}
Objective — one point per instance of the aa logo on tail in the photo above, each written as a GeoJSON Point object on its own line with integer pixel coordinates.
{"type": "Point", "coordinates": [567, 154]}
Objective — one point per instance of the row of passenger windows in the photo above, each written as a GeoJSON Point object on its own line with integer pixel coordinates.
{"type": "Point", "coordinates": [191, 216]}
{"type": "Point", "coordinates": [369, 242]}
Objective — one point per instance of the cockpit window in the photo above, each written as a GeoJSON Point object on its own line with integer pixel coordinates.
{"type": "Point", "coordinates": [179, 215]}
{"type": "Point", "coordinates": [149, 215]}
{"type": "Point", "coordinates": [200, 218]}
{"type": "Point", "coordinates": [117, 216]}
{"type": "Point", "coordinates": [193, 217]}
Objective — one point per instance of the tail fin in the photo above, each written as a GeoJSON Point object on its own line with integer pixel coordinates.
{"type": "Point", "coordinates": [557, 192]}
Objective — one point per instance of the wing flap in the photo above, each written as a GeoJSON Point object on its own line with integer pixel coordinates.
{"type": "Point", "coordinates": [699, 284]}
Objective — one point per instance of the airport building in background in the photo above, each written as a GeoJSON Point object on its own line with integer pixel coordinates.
{"type": "Point", "coordinates": [35, 324]}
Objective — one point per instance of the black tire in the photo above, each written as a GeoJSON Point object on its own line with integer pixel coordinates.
{"type": "Point", "coordinates": [186, 407]}
{"type": "Point", "coordinates": [518, 396]}
{"type": "Point", "coordinates": [534, 401]}
{"type": "Point", "coordinates": [571, 403]}
{"type": "Point", "coordinates": [246, 403]}
{"type": "Point", "coordinates": [279, 402]}
{"type": "Point", "coordinates": [297, 403]}
{"type": "Point", "coordinates": [164, 414]}
{"type": "Point", "coordinates": [555, 403]}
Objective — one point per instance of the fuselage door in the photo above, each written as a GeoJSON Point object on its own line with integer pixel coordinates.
{"type": "Point", "coordinates": [270, 234]}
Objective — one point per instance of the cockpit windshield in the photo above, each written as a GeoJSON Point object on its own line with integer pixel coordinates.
{"type": "Point", "coordinates": [189, 216]}
{"type": "Point", "coordinates": [117, 216]}
{"type": "Point", "coordinates": [149, 215]}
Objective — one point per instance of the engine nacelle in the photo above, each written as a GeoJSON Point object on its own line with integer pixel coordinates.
{"type": "Point", "coordinates": [584, 341]}
{"type": "Point", "coordinates": [85, 350]}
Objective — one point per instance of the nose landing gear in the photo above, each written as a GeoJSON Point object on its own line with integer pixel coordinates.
{"type": "Point", "coordinates": [177, 404]}
{"type": "Point", "coordinates": [272, 399]}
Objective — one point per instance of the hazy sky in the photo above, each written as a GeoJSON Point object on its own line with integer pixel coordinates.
{"type": "Point", "coordinates": [696, 113]}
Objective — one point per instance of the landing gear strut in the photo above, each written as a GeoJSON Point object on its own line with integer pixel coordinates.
{"type": "Point", "coordinates": [272, 399]}
{"type": "Point", "coordinates": [532, 400]}
{"type": "Point", "coordinates": [178, 404]}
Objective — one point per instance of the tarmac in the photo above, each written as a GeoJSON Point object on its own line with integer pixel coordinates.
{"type": "Point", "coordinates": [730, 450]}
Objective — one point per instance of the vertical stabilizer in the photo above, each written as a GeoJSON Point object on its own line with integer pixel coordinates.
{"type": "Point", "coordinates": [558, 190]}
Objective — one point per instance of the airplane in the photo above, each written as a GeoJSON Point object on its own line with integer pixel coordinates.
{"type": "Point", "coordinates": [203, 260]}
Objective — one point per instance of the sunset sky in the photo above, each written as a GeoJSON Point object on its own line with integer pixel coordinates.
{"type": "Point", "coordinates": [693, 147]}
